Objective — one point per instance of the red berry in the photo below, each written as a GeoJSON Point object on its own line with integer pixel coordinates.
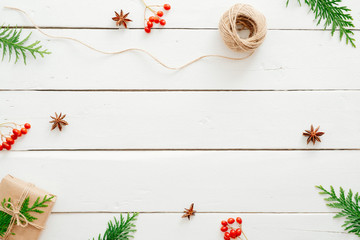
{"type": "Point", "coordinates": [227, 234]}
{"type": "Point", "coordinates": [10, 141]}
{"type": "Point", "coordinates": [27, 125]}
{"type": "Point", "coordinates": [23, 131]}
{"type": "Point", "coordinates": [162, 22]}
{"type": "Point", "coordinates": [156, 19]}
{"type": "Point", "coordinates": [239, 220]}
{"type": "Point", "coordinates": [150, 24]}
{"type": "Point", "coordinates": [167, 7]}
{"type": "Point", "coordinates": [1, 147]}
{"type": "Point", "coordinates": [233, 233]}
{"type": "Point", "coordinates": [226, 238]}
{"type": "Point", "coordinates": [13, 136]}
{"type": "Point", "coordinates": [238, 232]}
{"type": "Point", "coordinates": [231, 220]}
{"type": "Point", "coordinates": [224, 229]}
{"type": "Point", "coordinates": [147, 29]}
{"type": "Point", "coordinates": [16, 132]}
{"type": "Point", "coordinates": [6, 146]}
{"type": "Point", "coordinates": [160, 13]}
{"type": "Point", "coordinates": [224, 223]}
{"type": "Point", "coordinates": [151, 19]}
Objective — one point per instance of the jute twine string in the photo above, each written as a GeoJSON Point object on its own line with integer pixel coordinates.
{"type": "Point", "coordinates": [247, 17]}
{"type": "Point", "coordinates": [14, 211]}
{"type": "Point", "coordinates": [239, 14]}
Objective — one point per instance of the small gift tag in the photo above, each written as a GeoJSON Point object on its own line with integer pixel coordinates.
{"type": "Point", "coordinates": [24, 209]}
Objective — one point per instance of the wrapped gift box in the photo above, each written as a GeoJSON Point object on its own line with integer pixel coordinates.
{"type": "Point", "coordinates": [17, 198]}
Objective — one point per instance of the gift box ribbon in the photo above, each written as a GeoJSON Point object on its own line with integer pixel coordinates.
{"type": "Point", "coordinates": [14, 211]}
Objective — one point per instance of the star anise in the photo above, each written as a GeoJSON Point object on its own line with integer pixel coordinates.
{"type": "Point", "coordinates": [313, 135]}
{"type": "Point", "coordinates": [121, 19]}
{"type": "Point", "coordinates": [189, 212]}
{"type": "Point", "coordinates": [58, 121]}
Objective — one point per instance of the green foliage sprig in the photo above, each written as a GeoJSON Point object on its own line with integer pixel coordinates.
{"type": "Point", "coordinates": [349, 206]}
{"type": "Point", "coordinates": [120, 229]}
{"type": "Point", "coordinates": [336, 16]}
{"type": "Point", "coordinates": [10, 43]}
{"type": "Point", "coordinates": [26, 209]}
{"type": "Point", "coordinates": [5, 218]}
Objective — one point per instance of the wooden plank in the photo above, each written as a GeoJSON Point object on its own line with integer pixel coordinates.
{"type": "Point", "coordinates": [275, 181]}
{"type": "Point", "coordinates": [203, 226]}
{"type": "Point", "coordinates": [278, 64]}
{"type": "Point", "coordinates": [185, 13]}
{"type": "Point", "coordinates": [185, 120]}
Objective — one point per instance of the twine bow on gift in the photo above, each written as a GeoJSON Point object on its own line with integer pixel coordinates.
{"type": "Point", "coordinates": [14, 210]}
{"type": "Point", "coordinates": [18, 217]}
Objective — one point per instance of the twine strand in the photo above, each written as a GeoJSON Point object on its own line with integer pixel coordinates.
{"type": "Point", "coordinates": [254, 21]}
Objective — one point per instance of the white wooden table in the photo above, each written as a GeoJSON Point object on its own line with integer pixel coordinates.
{"type": "Point", "coordinates": [224, 135]}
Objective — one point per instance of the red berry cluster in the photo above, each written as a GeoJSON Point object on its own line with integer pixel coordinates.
{"type": "Point", "coordinates": [17, 131]}
{"type": "Point", "coordinates": [230, 231]}
{"type": "Point", "coordinates": [156, 19]}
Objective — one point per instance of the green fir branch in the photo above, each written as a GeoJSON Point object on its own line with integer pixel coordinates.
{"type": "Point", "coordinates": [11, 44]}
{"type": "Point", "coordinates": [120, 229]}
{"type": "Point", "coordinates": [338, 17]}
{"type": "Point", "coordinates": [26, 209]}
{"type": "Point", "coordinates": [5, 219]}
{"type": "Point", "coordinates": [349, 206]}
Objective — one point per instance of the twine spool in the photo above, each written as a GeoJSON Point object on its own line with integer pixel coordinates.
{"type": "Point", "coordinates": [245, 17]}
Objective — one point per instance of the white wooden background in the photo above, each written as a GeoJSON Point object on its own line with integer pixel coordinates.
{"type": "Point", "coordinates": [224, 135]}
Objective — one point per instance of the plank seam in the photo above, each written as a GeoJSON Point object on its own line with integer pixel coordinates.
{"type": "Point", "coordinates": [175, 28]}
{"type": "Point", "coordinates": [179, 90]}
{"type": "Point", "coordinates": [187, 149]}
{"type": "Point", "coordinates": [178, 212]}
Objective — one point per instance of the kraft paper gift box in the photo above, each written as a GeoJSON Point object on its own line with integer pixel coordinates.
{"type": "Point", "coordinates": [17, 197]}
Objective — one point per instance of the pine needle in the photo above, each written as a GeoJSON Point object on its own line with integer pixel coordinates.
{"type": "Point", "coordinates": [349, 206]}
{"type": "Point", "coordinates": [120, 229]}
{"type": "Point", "coordinates": [338, 17]}
{"type": "Point", "coordinates": [11, 44]}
